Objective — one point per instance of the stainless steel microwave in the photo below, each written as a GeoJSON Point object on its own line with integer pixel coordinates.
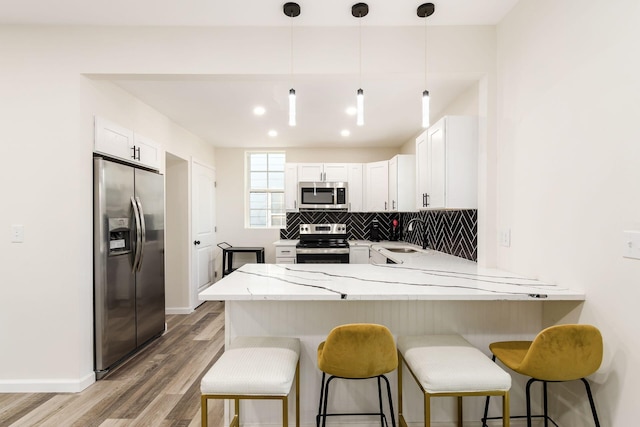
{"type": "Point", "coordinates": [323, 195]}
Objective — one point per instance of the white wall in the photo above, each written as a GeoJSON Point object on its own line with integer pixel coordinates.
{"type": "Point", "coordinates": [177, 236]}
{"type": "Point", "coordinates": [568, 176]}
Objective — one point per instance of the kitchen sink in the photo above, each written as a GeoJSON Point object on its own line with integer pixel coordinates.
{"type": "Point", "coordinates": [402, 250]}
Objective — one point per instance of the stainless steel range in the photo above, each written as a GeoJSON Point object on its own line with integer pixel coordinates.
{"type": "Point", "coordinates": [322, 244]}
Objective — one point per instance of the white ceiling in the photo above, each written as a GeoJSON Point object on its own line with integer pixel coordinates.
{"type": "Point", "coordinates": [322, 100]}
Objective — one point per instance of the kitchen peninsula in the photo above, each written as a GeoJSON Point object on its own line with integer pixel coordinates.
{"type": "Point", "coordinates": [428, 292]}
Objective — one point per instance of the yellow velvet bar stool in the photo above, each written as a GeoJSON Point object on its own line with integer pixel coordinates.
{"type": "Point", "coordinates": [557, 354]}
{"type": "Point", "coordinates": [357, 351]}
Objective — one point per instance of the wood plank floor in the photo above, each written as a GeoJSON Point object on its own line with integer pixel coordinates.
{"type": "Point", "coordinates": [159, 387]}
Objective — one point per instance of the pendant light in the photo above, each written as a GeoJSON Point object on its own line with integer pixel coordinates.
{"type": "Point", "coordinates": [425, 10]}
{"type": "Point", "coordinates": [292, 10]}
{"type": "Point", "coordinates": [360, 10]}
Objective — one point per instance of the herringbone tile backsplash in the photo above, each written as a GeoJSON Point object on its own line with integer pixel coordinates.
{"type": "Point", "coordinates": [452, 231]}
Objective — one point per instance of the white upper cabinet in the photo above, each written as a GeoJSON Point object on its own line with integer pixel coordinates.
{"type": "Point", "coordinates": [113, 139]}
{"type": "Point", "coordinates": [402, 183]}
{"type": "Point", "coordinates": [447, 164]}
{"type": "Point", "coordinates": [291, 187]}
{"type": "Point", "coordinates": [326, 172]}
{"type": "Point", "coordinates": [336, 172]}
{"type": "Point", "coordinates": [376, 178]}
{"type": "Point", "coordinates": [310, 172]}
{"type": "Point", "coordinates": [422, 178]}
{"type": "Point", "coordinates": [148, 152]}
{"type": "Point", "coordinates": [116, 141]}
{"type": "Point", "coordinates": [356, 187]}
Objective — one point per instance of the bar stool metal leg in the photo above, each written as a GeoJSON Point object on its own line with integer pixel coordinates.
{"type": "Point", "coordinates": [591, 402]}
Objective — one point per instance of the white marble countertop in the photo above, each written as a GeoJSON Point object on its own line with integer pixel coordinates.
{"type": "Point", "coordinates": [421, 275]}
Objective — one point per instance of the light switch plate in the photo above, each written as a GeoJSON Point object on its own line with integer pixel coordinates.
{"type": "Point", "coordinates": [505, 237]}
{"type": "Point", "coordinates": [631, 244]}
{"type": "Point", "coordinates": [17, 233]}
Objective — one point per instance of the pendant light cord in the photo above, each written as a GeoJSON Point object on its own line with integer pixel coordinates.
{"type": "Point", "coordinates": [291, 18]}
{"type": "Point", "coordinates": [360, 50]}
{"type": "Point", "coordinates": [425, 52]}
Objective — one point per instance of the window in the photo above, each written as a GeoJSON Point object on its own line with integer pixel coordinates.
{"type": "Point", "coordinates": [265, 178]}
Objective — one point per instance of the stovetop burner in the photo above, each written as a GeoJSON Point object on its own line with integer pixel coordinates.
{"type": "Point", "coordinates": [323, 236]}
{"type": "Point", "coordinates": [323, 243]}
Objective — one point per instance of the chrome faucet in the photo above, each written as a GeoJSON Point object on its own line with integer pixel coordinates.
{"type": "Point", "coordinates": [424, 230]}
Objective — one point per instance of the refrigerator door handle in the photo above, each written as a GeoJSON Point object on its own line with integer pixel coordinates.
{"type": "Point", "coordinates": [136, 215]}
{"type": "Point", "coordinates": [143, 232]}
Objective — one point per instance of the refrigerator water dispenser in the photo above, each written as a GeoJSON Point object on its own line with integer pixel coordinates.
{"type": "Point", "coordinates": [119, 236]}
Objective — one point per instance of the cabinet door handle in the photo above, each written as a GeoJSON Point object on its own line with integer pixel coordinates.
{"type": "Point", "coordinates": [424, 200]}
{"type": "Point", "coordinates": [196, 242]}
{"type": "Point", "coordinates": [393, 205]}
{"type": "Point", "coordinates": [385, 206]}
{"type": "Point", "coordinates": [295, 204]}
{"type": "Point", "coordinates": [427, 199]}
{"type": "Point", "coordinates": [133, 152]}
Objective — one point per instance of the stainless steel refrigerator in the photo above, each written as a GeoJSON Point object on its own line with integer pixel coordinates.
{"type": "Point", "coordinates": [129, 306]}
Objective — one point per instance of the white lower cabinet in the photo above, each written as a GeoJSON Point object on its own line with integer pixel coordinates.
{"type": "Point", "coordinates": [358, 254]}
{"type": "Point", "coordinates": [286, 254]}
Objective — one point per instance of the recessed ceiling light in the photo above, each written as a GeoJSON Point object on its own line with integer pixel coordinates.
{"type": "Point", "coordinates": [351, 111]}
{"type": "Point", "coordinates": [345, 132]}
{"type": "Point", "coordinates": [259, 111]}
{"type": "Point", "coordinates": [273, 133]}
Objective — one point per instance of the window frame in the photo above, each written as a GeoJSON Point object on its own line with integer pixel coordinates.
{"type": "Point", "coordinates": [269, 192]}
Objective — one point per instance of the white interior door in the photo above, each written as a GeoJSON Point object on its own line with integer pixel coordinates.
{"type": "Point", "coordinates": [203, 236]}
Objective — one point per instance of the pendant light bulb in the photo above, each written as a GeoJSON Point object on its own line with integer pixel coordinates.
{"type": "Point", "coordinates": [425, 109]}
{"type": "Point", "coordinates": [292, 107]}
{"type": "Point", "coordinates": [360, 107]}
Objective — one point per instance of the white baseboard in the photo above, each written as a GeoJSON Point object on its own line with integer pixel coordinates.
{"type": "Point", "coordinates": [47, 385]}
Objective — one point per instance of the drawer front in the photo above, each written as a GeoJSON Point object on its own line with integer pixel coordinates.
{"type": "Point", "coordinates": [285, 260]}
{"type": "Point", "coordinates": [285, 251]}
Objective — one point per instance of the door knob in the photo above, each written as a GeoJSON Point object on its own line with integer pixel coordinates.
{"type": "Point", "coordinates": [196, 242]}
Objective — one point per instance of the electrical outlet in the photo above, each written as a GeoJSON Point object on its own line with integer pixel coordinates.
{"type": "Point", "coordinates": [631, 244]}
{"type": "Point", "coordinates": [505, 237]}
{"type": "Point", "coordinates": [17, 233]}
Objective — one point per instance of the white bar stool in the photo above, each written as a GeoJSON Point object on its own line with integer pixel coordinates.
{"type": "Point", "coordinates": [448, 365]}
{"type": "Point", "coordinates": [254, 368]}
